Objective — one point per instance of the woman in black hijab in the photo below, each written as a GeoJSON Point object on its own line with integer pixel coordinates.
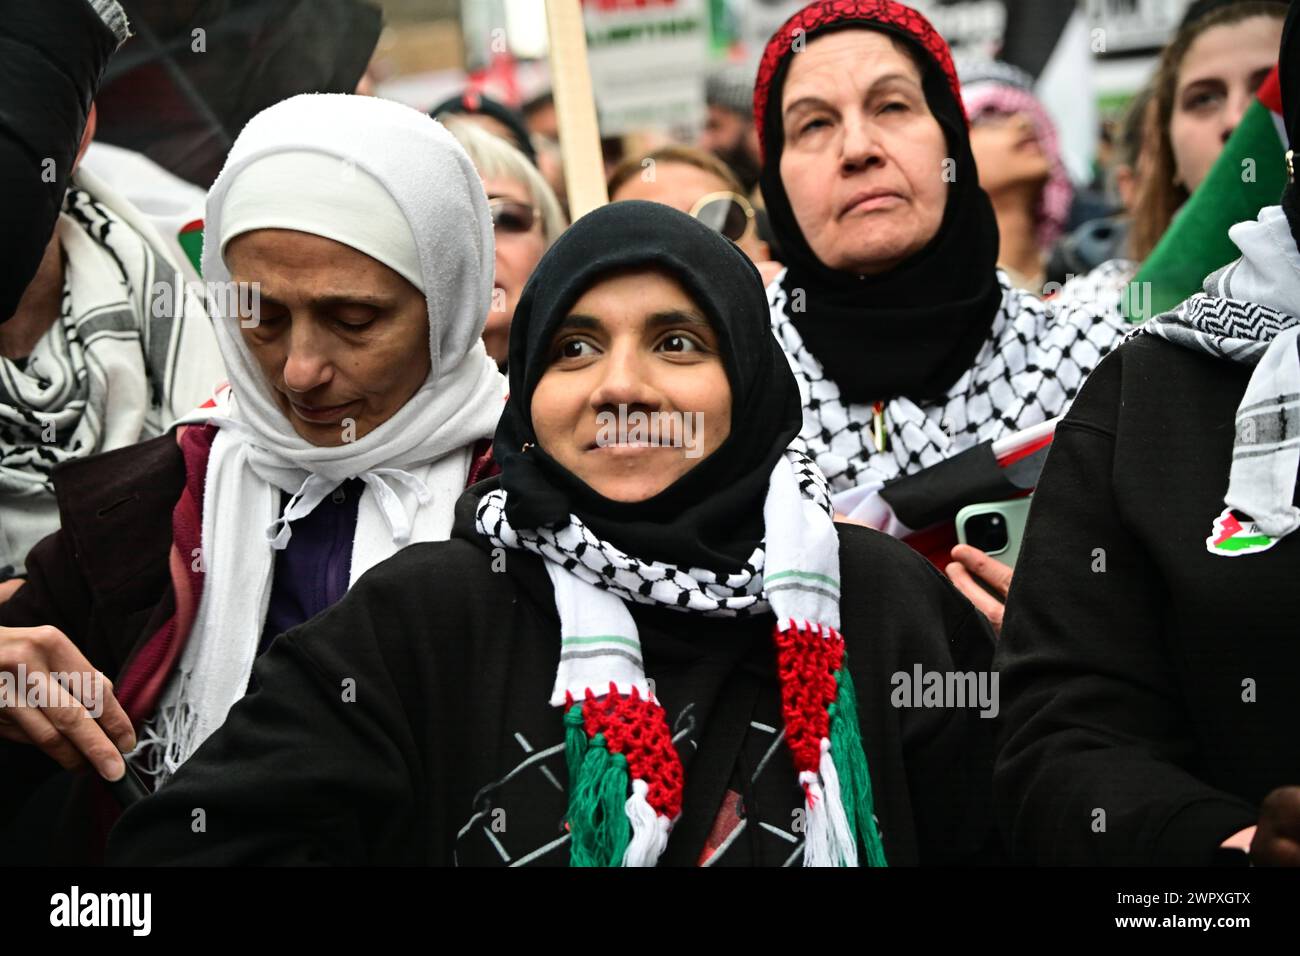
{"type": "Point", "coordinates": [909, 344]}
{"type": "Point", "coordinates": [605, 651]}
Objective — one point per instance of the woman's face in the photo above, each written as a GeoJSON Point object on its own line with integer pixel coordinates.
{"type": "Point", "coordinates": [517, 255]}
{"type": "Point", "coordinates": [1008, 153]}
{"type": "Point", "coordinates": [863, 163]}
{"type": "Point", "coordinates": [635, 394]}
{"type": "Point", "coordinates": [342, 339]}
{"type": "Point", "coordinates": [1216, 83]}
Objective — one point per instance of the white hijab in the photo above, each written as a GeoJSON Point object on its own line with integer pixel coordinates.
{"type": "Point", "coordinates": [390, 182]}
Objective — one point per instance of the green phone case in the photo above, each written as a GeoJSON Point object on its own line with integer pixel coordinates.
{"type": "Point", "coordinates": [1014, 513]}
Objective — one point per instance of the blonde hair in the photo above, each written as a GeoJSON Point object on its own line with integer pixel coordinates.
{"type": "Point", "coordinates": [675, 153]}
{"type": "Point", "coordinates": [494, 158]}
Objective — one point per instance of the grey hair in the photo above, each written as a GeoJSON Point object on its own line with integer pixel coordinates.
{"type": "Point", "coordinates": [494, 158]}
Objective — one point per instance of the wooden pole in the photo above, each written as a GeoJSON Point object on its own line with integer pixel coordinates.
{"type": "Point", "coordinates": [575, 108]}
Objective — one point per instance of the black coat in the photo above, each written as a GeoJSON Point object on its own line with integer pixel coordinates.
{"type": "Point", "coordinates": [1149, 687]}
{"type": "Point", "coordinates": [448, 752]}
{"type": "Point", "coordinates": [103, 580]}
{"type": "Point", "coordinates": [52, 56]}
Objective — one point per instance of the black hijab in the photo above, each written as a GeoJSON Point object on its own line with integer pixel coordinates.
{"type": "Point", "coordinates": [915, 329]}
{"type": "Point", "coordinates": [711, 517]}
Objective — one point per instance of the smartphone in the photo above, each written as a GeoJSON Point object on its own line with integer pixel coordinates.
{"type": "Point", "coordinates": [995, 527]}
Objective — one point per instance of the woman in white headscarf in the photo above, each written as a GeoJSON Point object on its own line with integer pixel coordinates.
{"type": "Point", "coordinates": [349, 252]}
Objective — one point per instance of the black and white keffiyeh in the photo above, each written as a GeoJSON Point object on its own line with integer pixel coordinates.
{"type": "Point", "coordinates": [1030, 368]}
{"type": "Point", "coordinates": [131, 351]}
{"type": "Point", "coordinates": [1102, 288]}
{"type": "Point", "coordinates": [50, 410]}
{"type": "Point", "coordinates": [797, 559]}
{"type": "Point", "coordinates": [578, 550]}
{"type": "Point", "coordinates": [1247, 314]}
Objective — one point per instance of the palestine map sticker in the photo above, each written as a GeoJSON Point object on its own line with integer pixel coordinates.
{"type": "Point", "coordinates": [1231, 537]}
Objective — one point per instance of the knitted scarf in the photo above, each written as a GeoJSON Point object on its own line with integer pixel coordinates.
{"type": "Point", "coordinates": [1248, 314]}
{"type": "Point", "coordinates": [625, 776]}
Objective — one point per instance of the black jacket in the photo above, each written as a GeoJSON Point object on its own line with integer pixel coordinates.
{"type": "Point", "coordinates": [103, 580]}
{"type": "Point", "coordinates": [52, 56]}
{"type": "Point", "coordinates": [450, 753]}
{"type": "Point", "coordinates": [1151, 689]}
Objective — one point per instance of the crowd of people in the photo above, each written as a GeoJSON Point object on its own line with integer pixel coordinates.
{"type": "Point", "coordinates": [381, 564]}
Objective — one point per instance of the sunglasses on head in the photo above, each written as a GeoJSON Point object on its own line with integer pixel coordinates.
{"type": "Point", "coordinates": [511, 216]}
{"type": "Point", "coordinates": [725, 212]}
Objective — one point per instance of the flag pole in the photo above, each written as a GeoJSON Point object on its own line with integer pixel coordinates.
{"type": "Point", "coordinates": [575, 108]}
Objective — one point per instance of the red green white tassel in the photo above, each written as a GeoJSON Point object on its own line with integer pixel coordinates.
{"type": "Point", "coordinates": [821, 722]}
{"type": "Point", "coordinates": [616, 744]}
{"type": "Point", "coordinates": [625, 776]}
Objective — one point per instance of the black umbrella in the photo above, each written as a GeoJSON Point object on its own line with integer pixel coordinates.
{"type": "Point", "coordinates": [196, 71]}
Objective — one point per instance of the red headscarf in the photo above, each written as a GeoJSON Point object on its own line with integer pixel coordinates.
{"type": "Point", "coordinates": [820, 15]}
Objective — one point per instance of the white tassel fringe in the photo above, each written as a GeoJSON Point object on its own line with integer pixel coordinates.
{"type": "Point", "coordinates": [828, 839]}
{"type": "Point", "coordinates": [843, 845]}
{"type": "Point", "coordinates": [649, 829]}
{"type": "Point", "coordinates": [816, 828]}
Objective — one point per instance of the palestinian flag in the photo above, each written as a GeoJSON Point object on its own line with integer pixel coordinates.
{"type": "Point", "coordinates": [1249, 175]}
{"type": "Point", "coordinates": [1235, 534]}
{"type": "Point", "coordinates": [190, 239]}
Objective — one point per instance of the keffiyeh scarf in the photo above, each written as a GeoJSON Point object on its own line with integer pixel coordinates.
{"type": "Point", "coordinates": [1247, 314]}
{"type": "Point", "coordinates": [626, 778]}
{"type": "Point", "coordinates": [56, 407]}
{"type": "Point", "coordinates": [131, 350]}
{"type": "Point", "coordinates": [1029, 370]}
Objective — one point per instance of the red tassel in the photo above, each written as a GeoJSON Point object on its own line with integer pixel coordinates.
{"type": "Point", "coordinates": [637, 728]}
{"type": "Point", "coordinates": [806, 666]}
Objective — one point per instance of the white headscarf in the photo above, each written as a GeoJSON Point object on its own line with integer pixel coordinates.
{"type": "Point", "coordinates": [390, 182]}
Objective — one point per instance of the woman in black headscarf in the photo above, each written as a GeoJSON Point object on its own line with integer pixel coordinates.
{"type": "Point", "coordinates": [650, 591]}
{"type": "Point", "coordinates": [909, 344]}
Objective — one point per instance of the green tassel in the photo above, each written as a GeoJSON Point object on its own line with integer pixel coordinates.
{"type": "Point", "coordinates": [599, 830]}
{"type": "Point", "coordinates": [851, 763]}
{"type": "Point", "coordinates": [584, 806]}
{"type": "Point", "coordinates": [575, 740]}
{"type": "Point", "coordinates": [616, 828]}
